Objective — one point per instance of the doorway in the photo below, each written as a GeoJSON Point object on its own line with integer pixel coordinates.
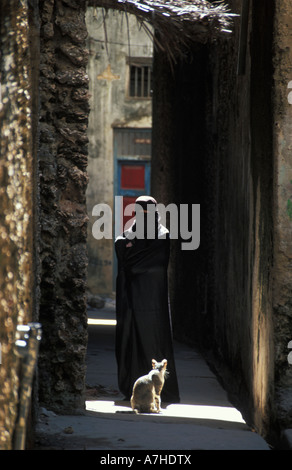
{"type": "Point", "coordinates": [132, 170]}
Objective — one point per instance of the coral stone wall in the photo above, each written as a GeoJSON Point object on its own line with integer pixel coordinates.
{"type": "Point", "coordinates": [16, 199]}
{"type": "Point", "coordinates": [63, 121]}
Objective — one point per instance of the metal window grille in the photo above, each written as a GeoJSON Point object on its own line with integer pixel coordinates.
{"type": "Point", "coordinates": [140, 83]}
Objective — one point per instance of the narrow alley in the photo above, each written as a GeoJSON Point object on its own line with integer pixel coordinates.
{"type": "Point", "coordinates": [204, 420]}
{"type": "Point", "coordinates": [103, 101]}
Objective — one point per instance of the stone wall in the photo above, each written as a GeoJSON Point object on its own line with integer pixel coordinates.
{"type": "Point", "coordinates": [63, 143]}
{"type": "Point", "coordinates": [213, 145]}
{"type": "Point", "coordinates": [282, 130]}
{"type": "Point", "coordinates": [17, 191]}
{"type": "Point", "coordinates": [252, 314]}
{"type": "Point", "coordinates": [243, 149]}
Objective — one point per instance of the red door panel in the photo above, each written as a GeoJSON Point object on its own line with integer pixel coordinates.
{"type": "Point", "coordinates": [132, 176]}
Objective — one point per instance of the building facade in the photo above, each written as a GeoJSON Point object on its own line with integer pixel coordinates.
{"type": "Point", "coordinates": [119, 129]}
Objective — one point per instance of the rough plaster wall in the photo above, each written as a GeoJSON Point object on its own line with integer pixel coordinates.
{"type": "Point", "coordinates": [283, 219]}
{"type": "Point", "coordinates": [252, 147]}
{"type": "Point", "coordinates": [16, 194]}
{"type": "Point", "coordinates": [212, 141]}
{"type": "Point", "coordinates": [242, 146]}
{"type": "Point", "coordinates": [63, 179]}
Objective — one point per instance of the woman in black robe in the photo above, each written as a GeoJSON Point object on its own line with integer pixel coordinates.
{"type": "Point", "coordinates": [143, 329]}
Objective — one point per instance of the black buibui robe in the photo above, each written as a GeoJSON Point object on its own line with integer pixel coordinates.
{"type": "Point", "coordinates": [143, 329]}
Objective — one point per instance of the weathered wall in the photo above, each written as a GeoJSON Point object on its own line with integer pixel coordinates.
{"type": "Point", "coordinates": [216, 149]}
{"type": "Point", "coordinates": [112, 37]}
{"type": "Point", "coordinates": [17, 189]}
{"type": "Point", "coordinates": [242, 315]}
{"type": "Point", "coordinates": [253, 315]}
{"type": "Point", "coordinates": [63, 151]}
{"type": "Point", "coordinates": [282, 302]}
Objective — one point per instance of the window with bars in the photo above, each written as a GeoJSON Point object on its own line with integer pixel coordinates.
{"type": "Point", "coordinates": [140, 78]}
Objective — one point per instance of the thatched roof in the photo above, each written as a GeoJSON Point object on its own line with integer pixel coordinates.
{"type": "Point", "coordinates": [178, 22]}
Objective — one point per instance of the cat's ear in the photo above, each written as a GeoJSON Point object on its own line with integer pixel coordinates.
{"type": "Point", "coordinates": [153, 363]}
{"type": "Point", "coordinates": [164, 362]}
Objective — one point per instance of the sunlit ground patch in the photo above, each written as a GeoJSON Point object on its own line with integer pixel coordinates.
{"type": "Point", "coordinates": [220, 413]}
{"type": "Point", "coordinates": [101, 321]}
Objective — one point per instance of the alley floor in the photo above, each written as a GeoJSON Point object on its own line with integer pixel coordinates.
{"type": "Point", "coordinates": [204, 420]}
